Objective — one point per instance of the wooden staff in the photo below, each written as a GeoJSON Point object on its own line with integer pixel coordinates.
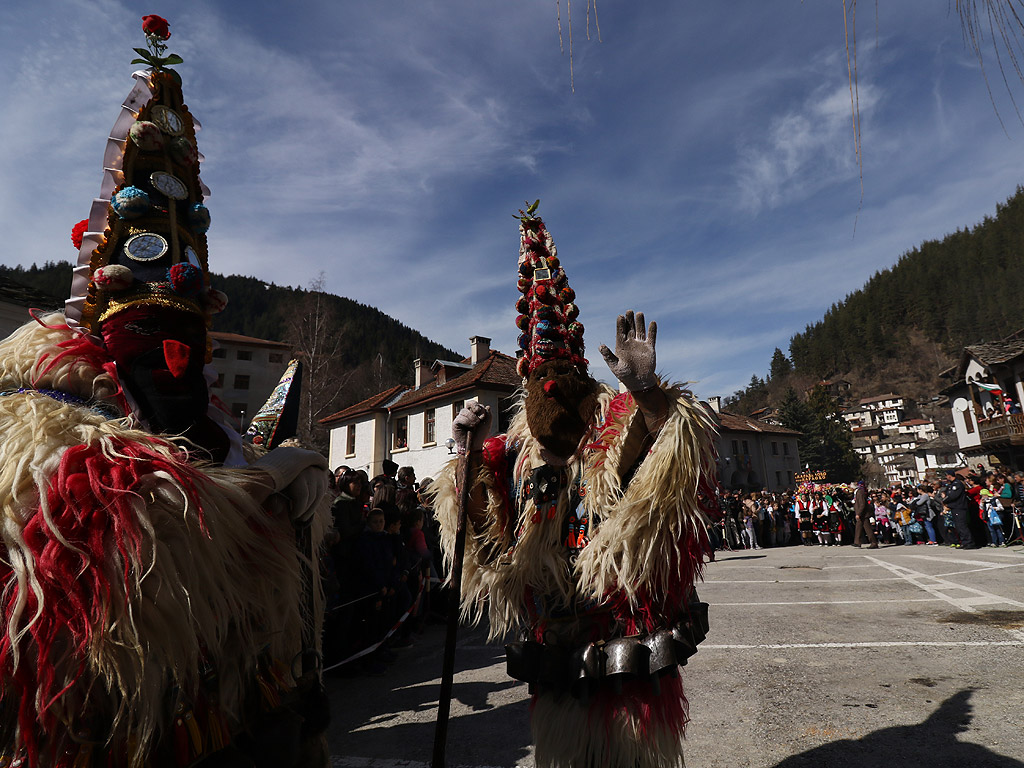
{"type": "Point", "coordinates": [444, 703]}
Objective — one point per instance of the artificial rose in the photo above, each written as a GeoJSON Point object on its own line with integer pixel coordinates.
{"type": "Point", "coordinates": [156, 26]}
{"type": "Point", "coordinates": [76, 233]}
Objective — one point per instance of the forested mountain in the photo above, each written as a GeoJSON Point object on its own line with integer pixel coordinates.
{"type": "Point", "coordinates": [910, 321]}
{"type": "Point", "coordinates": [363, 350]}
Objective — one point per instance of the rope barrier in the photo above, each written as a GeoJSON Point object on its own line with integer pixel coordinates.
{"type": "Point", "coordinates": [388, 634]}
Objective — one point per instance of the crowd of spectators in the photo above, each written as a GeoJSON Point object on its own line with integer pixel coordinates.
{"type": "Point", "coordinates": [926, 514]}
{"type": "Point", "coordinates": [381, 561]}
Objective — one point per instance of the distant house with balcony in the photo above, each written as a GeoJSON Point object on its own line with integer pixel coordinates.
{"type": "Point", "coordinates": [753, 454]}
{"type": "Point", "coordinates": [985, 376]}
{"type": "Point", "coordinates": [410, 425]}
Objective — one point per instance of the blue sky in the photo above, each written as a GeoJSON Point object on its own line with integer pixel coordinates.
{"type": "Point", "coordinates": [703, 171]}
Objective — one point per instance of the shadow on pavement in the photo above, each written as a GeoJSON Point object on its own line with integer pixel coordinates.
{"type": "Point", "coordinates": [931, 744]}
{"type": "Point", "coordinates": [393, 716]}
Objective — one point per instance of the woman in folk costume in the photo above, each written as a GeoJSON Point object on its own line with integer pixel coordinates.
{"type": "Point", "coordinates": [588, 527]}
{"type": "Point", "coordinates": [159, 601]}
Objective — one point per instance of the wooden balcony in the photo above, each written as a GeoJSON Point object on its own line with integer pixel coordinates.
{"type": "Point", "coordinates": [1002, 430]}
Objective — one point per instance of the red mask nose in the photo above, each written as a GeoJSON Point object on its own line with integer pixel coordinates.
{"type": "Point", "coordinates": [549, 388]}
{"type": "Point", "coordinates": [177, 356]}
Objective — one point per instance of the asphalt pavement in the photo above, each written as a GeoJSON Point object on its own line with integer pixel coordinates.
{"type": "Point", "coordinates": [830, 657]}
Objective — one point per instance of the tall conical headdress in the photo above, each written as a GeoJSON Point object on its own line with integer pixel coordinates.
{"type": "Point", "coordinates": [145, 238]}
{"type": "Point", "coordinates": [547, 312]}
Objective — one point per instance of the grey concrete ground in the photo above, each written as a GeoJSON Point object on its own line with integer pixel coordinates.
{"type": "Point", "coordinates": [819, 657]}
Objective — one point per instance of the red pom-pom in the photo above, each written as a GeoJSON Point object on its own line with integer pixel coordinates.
{"type": "Point", "coordinates": [185, 278]}
{"type": "Point", "coordinates": [77, 232]}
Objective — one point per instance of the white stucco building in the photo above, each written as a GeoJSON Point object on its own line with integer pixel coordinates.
{"type": "Point", "coordinates": [410, 425]}
{"type": "Point", "coordinates": [247, 369]}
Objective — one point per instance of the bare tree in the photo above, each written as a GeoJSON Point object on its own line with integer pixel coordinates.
{"type": "Point", "coordinates": [316, 336]}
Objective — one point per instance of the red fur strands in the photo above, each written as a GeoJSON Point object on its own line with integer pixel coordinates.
{"type": "Point", "coordinates": [495, 459]}
{"type": "Point", "coordinates": [92, 541]}
{"type": "Point", "coordinates": [82, 348]}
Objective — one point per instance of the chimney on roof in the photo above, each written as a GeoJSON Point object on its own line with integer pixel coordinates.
{"type": "Point", "coordinates": [422, 374]}
{"type": "Point", "coordinates": [479, 349]}
{"type": "Point", "coordinates": [715, 403]}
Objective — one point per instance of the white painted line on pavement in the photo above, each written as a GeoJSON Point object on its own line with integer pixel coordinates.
{"type": "Point", "coordinates": [795, 581]}
{"type": "Point", "coordinates": [837, 602]}
{"type": "Point", "coordinates": [982, 563]}
{"type": "Point", "coordinates": [934, 585]}
{"type": "Point", "coordinates": [344, 761]}
{"type": "Point", "coordinates": [883, 644]}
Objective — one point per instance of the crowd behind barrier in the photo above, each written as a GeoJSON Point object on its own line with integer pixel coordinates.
{"type": "Point", "coordinates": [380, 568]}
{"type": "Point", "coordinates": [990, 506]}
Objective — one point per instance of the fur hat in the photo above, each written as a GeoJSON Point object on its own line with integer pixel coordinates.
{"type": "Point", "coordinates": [547, 309]}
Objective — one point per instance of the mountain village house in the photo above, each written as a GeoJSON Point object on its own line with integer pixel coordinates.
{"type": "Point", "coordinates": [247, 370]}
{"type": "Point", "coordinates": [987, 382]}
{"type": "Point", "coordinates": [411, 425]}
{"type": "Point", "coordinates": [753, 454]}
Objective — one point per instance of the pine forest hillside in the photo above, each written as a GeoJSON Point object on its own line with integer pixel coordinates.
{"type": "Point", "coordinates": [909, 322]}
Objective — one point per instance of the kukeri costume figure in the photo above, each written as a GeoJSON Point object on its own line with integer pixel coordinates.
{"type": "Point", "coordinates": [588, 528]}
{"type": "Point", "coordinates": [160, 606]}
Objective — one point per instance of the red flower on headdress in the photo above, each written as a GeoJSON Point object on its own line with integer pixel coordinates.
{"type": "Point", "coordinates": [77, 231]}
{"type": "Point", "coordinates": [156, 26]}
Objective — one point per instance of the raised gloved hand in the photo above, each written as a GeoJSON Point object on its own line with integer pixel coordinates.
{"type": "Point", "coordinates": [475, 418]}
{"type": "Point", "coordinates": [299, 476]}
{"type": "Point", "coordinates": [634, 360]}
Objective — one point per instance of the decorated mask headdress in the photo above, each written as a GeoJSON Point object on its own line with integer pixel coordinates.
{"type": "Point", "coordinates": [144, 243]}
{"type": "Point", "coordinates": [547, 312]}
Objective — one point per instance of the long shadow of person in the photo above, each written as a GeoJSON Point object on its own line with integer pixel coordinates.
{"type": "Point", "coordinates": [394, 717]}
{"type": "Point", "coordinates": [931, 744]}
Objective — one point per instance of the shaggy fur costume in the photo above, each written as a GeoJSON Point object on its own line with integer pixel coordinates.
{"type": "Point", "coordinates": [647, 544]}
{"type": "Point", "coordinates": [131, 578]}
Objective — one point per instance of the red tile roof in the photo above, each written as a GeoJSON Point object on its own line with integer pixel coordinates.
{"type": "Point", "coordinates": [733, 422]}
{"type": "Point", "coordinates": [370, 404]}
{"type": "Point", "coordinates": [496, 371]}
{"type": "Point", "coordinates": [237, 338]}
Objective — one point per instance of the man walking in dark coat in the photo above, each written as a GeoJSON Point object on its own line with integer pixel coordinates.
{"type": "Point", "coordinates": [862, 515]}
{"type": "Point", "coordinates": [957, 500]}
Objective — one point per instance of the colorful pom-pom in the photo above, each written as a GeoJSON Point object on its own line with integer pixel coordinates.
{"type": "Point", "coordinates": [526, 269]}
{"type": "Point", "coordinates": [523, 305]}
{"type": "Point", "coordinates": [572, 312]}
{"type": "Point", "coordinates": [523, 367]}
{"type": "Point", "coordinates": [553, 262]}
{"type": "Point", "coordinates": [576, 329]}
{"type": "Point", "coordinates": [78, 232]}
{"type": "Point", "coordinates": [524, 284]}
{"type": "Point", "coordinates": [523, 322]}
{"type": "Point", "coordinates": [184, 151]}
{"type": "Point", "coordinates": [545, 294]}
{"type": "Point", "coordinates": [524, 341]}
{"type": "Point", "coordinates": [186, 279]}
{"type": "Point", "coordinates": [199, 218]}
{"type": "Point", "coordinates": [546, 312]}
{"type": "Point", "coordinates": [567, 295]}
{"type": "Point", "coordinates": [130, 203]}
{"type": "Point", "coordinates": [146, 136]}
{"type": "Point", "coordinates": [113, 277]}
